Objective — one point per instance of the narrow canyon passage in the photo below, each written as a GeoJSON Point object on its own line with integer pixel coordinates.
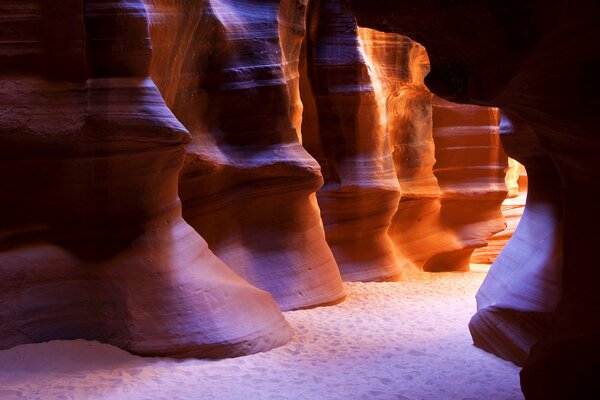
{"type": "Point", "coordinates": [299, 199]}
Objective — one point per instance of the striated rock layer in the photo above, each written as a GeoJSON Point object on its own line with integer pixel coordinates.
{"type": "Point", "coordinates": [540, 71]}
{"type": "Point", "coordinates": [92, 243]}
{"type": "Point", "coordinates": [368, 122]}
{"type": "Point", "coordinates": [398, 66]}
{"type": "Point", "coordinates": [229, 71]}
{"type": "Point", "coordinates": [512, 211]}
{"type": "Point", "coordinates": [345, 130]}
{"type": "Point", "coordinates": [447, 157]}
{"type": "Point", "coordinates": [469, 168]}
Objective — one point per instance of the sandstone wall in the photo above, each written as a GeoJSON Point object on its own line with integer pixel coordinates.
{"type": "Point", "coordinates": [92, 241]}
{"type": "Point", "coordinates": [228, 70]}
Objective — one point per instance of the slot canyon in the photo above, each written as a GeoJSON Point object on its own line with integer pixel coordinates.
{"type": "Point", "coordinates": [299, 199]}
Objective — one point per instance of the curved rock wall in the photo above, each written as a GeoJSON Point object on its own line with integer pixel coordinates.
{"type": "Point", "coordinates": [447, 157]}
{"type": "Point", "coordinates": [228, 70]}
{"type": "Point", "coordinates": [368, 122]}
{"type": "Point", "coordinates": [470, 169]}
{"type": "Point", "coordinates": [345, 130]}
{"type": "Point", "coordinates": [541, 69]}
{"type": "Point", "coordinates": [104, 124]}
{"type": "Point", "coordinates": [518, 296]}
{"type": "Point", "coordinates": [92, 243]}
{"type": "Point", "coordinates": [399, 66]}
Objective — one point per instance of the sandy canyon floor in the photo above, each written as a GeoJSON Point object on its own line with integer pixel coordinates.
{"type": "Point", "coordinates": [401, 340]}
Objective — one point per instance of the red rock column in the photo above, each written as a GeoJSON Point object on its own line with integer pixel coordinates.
{"type": "Point", "coordinates": [247, 185]}
{"type": "Point", "coordinates": [399, 66]}
{"type": "Point", "coordinates": [470, 165]}
{"type": "Point", "coordinates": [344, 129]}
{"type": "Point", "coordinates": [436, 226]}
{"type": "Point", "coordinates": [92, 243]}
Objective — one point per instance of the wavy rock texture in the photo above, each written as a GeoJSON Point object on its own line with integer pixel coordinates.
{"type": "Point", "coordinates": [228, 70]}
{"type": "Point", "coordinates": [516, 300]}
{"type": "Point", "coordinates": [92, 243]}
{"type": "Point", "coordinates": [345, 130]}
{"type": "Point", "coordinates": [398, 66]}
{"type": "Point", "coordinates": [368, 121]}
{"type": "Point", "coordinates": [447, 158]}
{"type": "Point", "coordinates": [512, 211]}
{"type": "Point", "coordinates": [469, 168]}
{"type": "Point", "coordinates": [540, 69]}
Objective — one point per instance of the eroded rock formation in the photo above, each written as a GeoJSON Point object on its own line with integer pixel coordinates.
{"type": "Point", "coordinates": [247, 184]}
{"type": "Point", "coordinates": [398, 66]}
{"type": "Point", "coordinates": [540, 69]}
{"type": "Point", "coordinates": [92, 243]}
{"type": "Point", "coordinates": [470, 169]}
{"type": "Point", "coordinates": [345, 130]}
{"type": "Point", "coordinates": [91, 153]}
{"type": "Point", "coordinates": [368, 121]}
{"type": "Point", "coordinates": [516, 301]}
{"type": "Point", "coordinates": [512, 211]}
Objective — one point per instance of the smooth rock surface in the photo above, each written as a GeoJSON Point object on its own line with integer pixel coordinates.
{"type": "Point", "coordinates": [228, 71]}
{"type": "Point", "coordinates": [92, 243]}
{"type": "Point", "coordinates": [398, 66]}
{"type": "Point", "coordinates": [470, 170]}
{"type": "Point", "coordinates": [368, 121]}
{"type": "Point", "coordinates": [540, 67]}
{"type": "Point", "coordinates": [344, 128]}
{"type": "Point", "coordinates": [520, 293]}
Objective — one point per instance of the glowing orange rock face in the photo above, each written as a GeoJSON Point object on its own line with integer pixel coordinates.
{"type": "Point", "coordinates": [344, 130]}
{"type": "Point", "coordinates": [398, 66]}
{"type": "Point", "coordinates": [512, 211]}
{"type": "Point", "coordinates": [370, 122]}
{"type": "Point", "coordinates": [470, 169]}
{"type": "Point", "coordinates": [92, 240]}
{"type": "Point", "coordinates": [447, 157]}
{"type": "Point", "coordinates": [247, 185]}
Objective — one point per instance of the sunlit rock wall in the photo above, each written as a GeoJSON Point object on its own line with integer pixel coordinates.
{"type": "Point", "coordinates": [228, 71]}
{"type": "Point", "coordinates": [398, 66]}
{"type": "Point", "coordinates": [512, 211]}
{"type": "Point", "coordinates": [447, 157]}
{"type": "Point", "coordinates": [92, 243]}
{"type": "Point", "coordinates": [345, 130]}
{"type": "Point", "coordinates": [470, 169]}
{"type": "Point", "coordinates": [367, 115]}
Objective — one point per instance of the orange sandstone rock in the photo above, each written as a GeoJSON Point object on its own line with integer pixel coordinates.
{"type": "Point", "coordinates": [434, 226]}
{"type": "Point", "coordinates": [228, 70]}
{"type": "Point", "coordinates": [92, 243]}
{"type": "Point", "coordinates": [344, 130]}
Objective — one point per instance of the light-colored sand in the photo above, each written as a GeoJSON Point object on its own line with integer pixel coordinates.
{"type": "Point", "coordinates": [404, 340]}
